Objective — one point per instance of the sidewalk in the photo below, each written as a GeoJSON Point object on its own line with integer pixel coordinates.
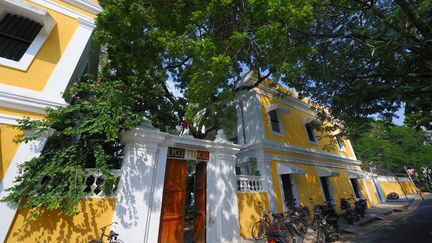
{"type": "Point", "coordinates": [378, 215]}
{"type": "Point", "coordinates": [374, 217]}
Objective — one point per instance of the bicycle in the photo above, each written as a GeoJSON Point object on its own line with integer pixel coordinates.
{"type": "Point", "coordinates": [260, 228]}
{"type": "Point", "coordinates": [112, 236]}
{"type": "Point", "coordinates": [325, 223]}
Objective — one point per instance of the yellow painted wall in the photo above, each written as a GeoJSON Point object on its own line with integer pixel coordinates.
{"type": "Point", "coordinates": [248, 210]}
{"type": "Point", "coordinates": [308, 186]}
{"type": "Point", "coordinates": [295, 132]}
{"type": "Point", "coordinates": [373, 194]}
{"type": "Point", "coordinates": [36, 77]}
{"type": "Point", "coordinates": [7, 147]}
{"type": "Point", "coordinates": [341, 187]}
{"type": "Point", "coordinates": [18, 113]}
{"type": "Point", "coordinates": [55, 227]}
{"type": "Point", "coordinates": [394, 186]}
{"type": "Point", "coordinates": [409, 187]}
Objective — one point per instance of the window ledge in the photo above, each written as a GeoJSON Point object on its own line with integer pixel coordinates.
{"type": "Point", "coordinates": [280, 134]}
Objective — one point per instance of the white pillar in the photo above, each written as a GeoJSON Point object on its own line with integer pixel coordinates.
{"type": "Point", "coordinates": [25, 152]}
{"type": "Point", "coordinates": [222, 207]}
{"type": "Point", "coordinates": [139, 195]}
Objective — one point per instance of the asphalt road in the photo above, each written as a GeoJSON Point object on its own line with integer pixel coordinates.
{"type": "Point", "coordinates": [415, 227]}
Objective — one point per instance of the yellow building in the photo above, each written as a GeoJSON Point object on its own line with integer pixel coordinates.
{"type": "Point", "coordinates": [45, 45]}
{"type": "Point", "coordinates": [296, 164]}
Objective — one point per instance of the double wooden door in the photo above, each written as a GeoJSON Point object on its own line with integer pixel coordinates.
{"type": "Point", "coordinates": [172, 222]}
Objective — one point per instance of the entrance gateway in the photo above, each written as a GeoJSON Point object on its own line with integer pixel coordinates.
{"type": "Point", "coordinates": [183, 215]}
{"type": "Point", "coordinates": [150, 210]}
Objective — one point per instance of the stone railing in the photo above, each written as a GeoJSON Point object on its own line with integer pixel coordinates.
{"type": "Point", "coordinates": [246, 183]}
{"type": "Point", "coordinates": [94, 183]}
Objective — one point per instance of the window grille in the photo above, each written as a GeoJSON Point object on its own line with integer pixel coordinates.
{"type": "Point", "coordinates": [16, 35]}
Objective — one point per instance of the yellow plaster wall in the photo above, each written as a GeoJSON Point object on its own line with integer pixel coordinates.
{"type": "Point", "coordinates": [394, 186]}
{"type": "Point", "coordinates": [37, 75]}
{"type": "Point", "coordinates": [7, 147]}
{"type": "Point", "coordinates": [341, 187]}
{"type": "Point", "coordinates": [295, 132]}
{"type": "Point", "coordinates": [308, 186]}
{"type": "Point", "coordinates": [55, 227]}
{"type": "Point", "coordinates": [248, 210]}
{"type": "Point", "coordinates": [19, 113]}
{"type": "Point", "coordinates": [373, 194]}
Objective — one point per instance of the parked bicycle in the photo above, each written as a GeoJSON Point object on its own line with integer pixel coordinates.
{"type": "Point", "coordinates": [111, 237]}
{"type": "Point", "coordinates": [325, 222]}
{"type": "Point", "coordinates": [280, 227]}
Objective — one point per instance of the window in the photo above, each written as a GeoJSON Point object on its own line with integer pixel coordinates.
{"type": "Point", "coordinates": [23, 30]}
{"type": "Point", "coordinates": [310, 132]}
{"type": "Point", "coordinates": [16, 35]}
{"type": "Point", "coordinates": [274, 121]}
{"type": "Point", "coordinates": [328, 192]}
{"type": "Point", "coordinates": [340, 142]}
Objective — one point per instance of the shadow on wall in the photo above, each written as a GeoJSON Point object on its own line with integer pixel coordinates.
{"type": "Point", "coordinates": [248, 207]}
{"type": "Point", "coordinates": [136, 196]}
{"type": "Point", "coordinates": [51, 50]}
{"type": "Point", "coordinates": [54, 226]}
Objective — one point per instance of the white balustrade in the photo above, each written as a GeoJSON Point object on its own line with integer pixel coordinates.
{"type": "Point", "coordinates": [246, 183]}
{"type": "Point", "coordinates": [94, 183]}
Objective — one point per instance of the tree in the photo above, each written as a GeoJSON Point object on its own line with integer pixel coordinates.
{"type": "Point", "coordinates": [371, 57]}
{"type": "Point", "coordinates": [394, 147]}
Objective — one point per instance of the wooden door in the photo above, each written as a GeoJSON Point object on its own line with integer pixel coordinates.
{"type": "Point", "coordinates": [200, 202]}
{"type": "Point", "coordinates": [173, 202]}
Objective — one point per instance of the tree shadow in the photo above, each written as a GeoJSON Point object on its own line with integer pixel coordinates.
{"type": "Point", "coordinates": [54, 226]}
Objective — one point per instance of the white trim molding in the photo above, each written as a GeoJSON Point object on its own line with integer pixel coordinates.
{"type": "Point", "coordinates": [62, 9]}
{"type": "Point", "coordinates": [27, 100]}
{"type": "Point", "coordinates": [298, 150]}
{"type": "Point", "coordinates": [308, 162]}
{"type": "Point", "coordinates": [38, 15]}
{"type": "Point", "coordinates": [9, 119]}
{"type": "Point", "coordinates": [86, 5]}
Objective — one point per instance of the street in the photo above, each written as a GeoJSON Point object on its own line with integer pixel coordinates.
{"type": "Point", "coordinates": [414, 226]}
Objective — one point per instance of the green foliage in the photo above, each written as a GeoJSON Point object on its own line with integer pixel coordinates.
{"type": "Point", "coordinates": [371, 57]}
{"type": "Point", "coordinates": [83, 134]}
{"type": "Point", "coordinates": [394, 147]}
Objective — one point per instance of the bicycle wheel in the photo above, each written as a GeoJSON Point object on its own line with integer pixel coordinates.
{"type": "Point", "coordinates": [259, 230]}
{"type": "Point", "coordinates": [321, 236]}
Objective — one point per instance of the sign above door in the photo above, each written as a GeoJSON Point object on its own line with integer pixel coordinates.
{"type": "Point", "coordinates": [187, 154]}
